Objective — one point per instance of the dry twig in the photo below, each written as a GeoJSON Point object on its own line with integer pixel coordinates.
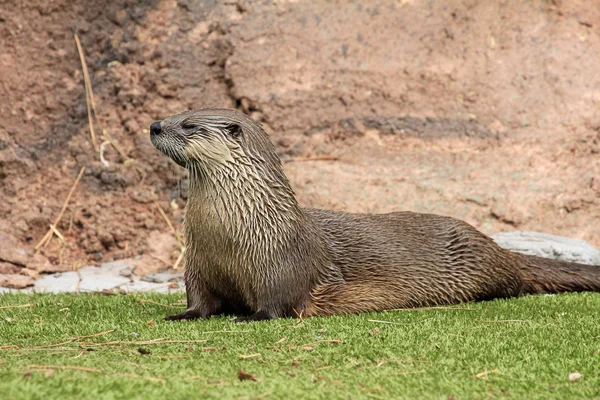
{"type": "Point", "coordinates": [484, 374]}
{"type": "Point", "coordinates": [160, 304]}
{"type": "Point", "coordinates": [245, 356]}
{"type": "Point", "coordinates": [102, 159]}
{"type": "Point", "coordinates": [507, 320]}
{"type": "Point", "coordinates": [93, 112]}
{"type": "Point", "coordinates": [154, 341]}
{"type": "Point", "coordinates": [334, 341]}
{"type": "Point", "coordinates": [57, 233]}
{"type": "Point", "coordinates": [89, 95]}
{"type": "Point", "coordinates": [434, 308]}
{"type": "Point", "coordinates": [179, 259]}
{"type": "Point", "coordinates": [64, 367]}
{"type": "Point", "coordinates": [48, 234]}
{"type": "Point", "coordinates": [168, 221]}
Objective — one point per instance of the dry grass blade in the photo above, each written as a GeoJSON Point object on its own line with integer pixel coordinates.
{"type": "Point", "coordinates": [48, 234]}
{"type": "Point", "coordinates": [81, 352]}
{"type": "Point", "coordinates": [135, 343]}
{"type": "Point", "coordinates": [317, 158]}
{"type": "Point", "coordinates": [333, 341]}
{"type": "Point", "coordinates": [160, 304]}
{"type": "Point", "coordinates": [102, 148]}
{"type": "Point", "coordinates": [179, 259]}
{"type": "Point", "coordinates": [89, 96]}
{"type": "Point", "coordinates": [97, 334]}
{"type": "Point", "coordinates": [398, 323]}
{"type": "Point", "coordinates": [93, 112]}
{"type": "Point", "coordinates": [57, 233]}
{"type": "Point", "coordinates": [283, 339]}
{"type": "Point", "coordinates": [434, 308]}
{"type": "Point", "coordinates": [245, 356]}
{"type": "Point", "coordinates": [484, 374]}
{"type": "Point", "coordinates": [64, 367]}
{"type": "Point", "coordinates": [56, 350]}
{"type": "Point", "coordinates": [113, 142]}
{"type": "Point", "coordinates": [507, 320]}
{"type": "Point", "coordinates": [172, 357]}
{"type": "Point", "coordinates": [168, 221]}
{"type": "Point", "coordinates": [17, 306]}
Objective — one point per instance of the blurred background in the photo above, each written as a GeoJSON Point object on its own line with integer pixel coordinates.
{"type": "Point", "coordinates": [487, 111]}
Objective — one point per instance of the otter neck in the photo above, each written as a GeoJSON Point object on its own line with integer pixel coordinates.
{"type": "Point", "coordinates": [242, 201]}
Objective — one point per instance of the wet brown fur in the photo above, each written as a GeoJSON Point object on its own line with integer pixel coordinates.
{"type": "Point", "coordinates": [252, 250]}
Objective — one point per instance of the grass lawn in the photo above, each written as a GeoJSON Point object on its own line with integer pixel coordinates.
{"type": "Point", "coordinates": [518, 348]}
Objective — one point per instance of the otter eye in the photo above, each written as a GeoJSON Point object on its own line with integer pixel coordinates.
{"type": "Point", "coordinates": [189, 126]}
{"type": "Point", "coordinates": [234, 130]}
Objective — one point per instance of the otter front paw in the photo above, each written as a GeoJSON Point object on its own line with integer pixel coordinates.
{"type": "Point", "coordinates": [190, 314]}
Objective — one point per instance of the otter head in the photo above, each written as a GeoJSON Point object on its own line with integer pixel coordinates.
{"type": "Point", "coordinates": [223, 145]}
{"type": "Point", "coordinates": [209, 137]}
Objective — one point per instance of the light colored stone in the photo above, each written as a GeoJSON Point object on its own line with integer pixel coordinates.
{"type": "Point", "coordinates": [106, 276]}
{"type": "Point", "coordinates": [139, 285]}
{"type": "Point", "coordinates": [549, 246]}
{"type": "Point", "coordinates": [57, 283]}
{"type": "Point", "coordinates": [162, 277]}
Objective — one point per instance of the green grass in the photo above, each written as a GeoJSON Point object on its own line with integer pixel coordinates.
{"type": "Point", "coordinates": [530, 345]}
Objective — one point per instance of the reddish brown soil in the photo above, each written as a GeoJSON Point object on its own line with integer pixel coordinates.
{"type": "Point", "coordinates": [485, 111]}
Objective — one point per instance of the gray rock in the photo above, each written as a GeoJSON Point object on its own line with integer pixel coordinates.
{"type": "Point", "coordinates": [549, 246]}
{"type": "Point", "coordinates": [162, 277]}
{"type": "Point", "coordinates": [106, 276]}
{"type": "Point", "coordinates": [127, 271]}
{"type": "Point", "coordinates": [139, 285]}
{"type": "Point", "coordinates": [57, 283]}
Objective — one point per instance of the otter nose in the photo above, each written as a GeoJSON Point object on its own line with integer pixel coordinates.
{"type": "Point", "coordinates": [155, 128]}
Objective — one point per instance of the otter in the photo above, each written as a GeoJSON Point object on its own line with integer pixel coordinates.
{"type": "Point", "coordinates": [252, 251]}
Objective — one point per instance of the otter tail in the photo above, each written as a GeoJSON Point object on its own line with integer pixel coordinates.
{"type": "Point", "coordinates": [543, 275]}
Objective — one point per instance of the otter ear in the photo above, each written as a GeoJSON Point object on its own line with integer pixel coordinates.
{"type": "Point", "coordinates": [235, 130]}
